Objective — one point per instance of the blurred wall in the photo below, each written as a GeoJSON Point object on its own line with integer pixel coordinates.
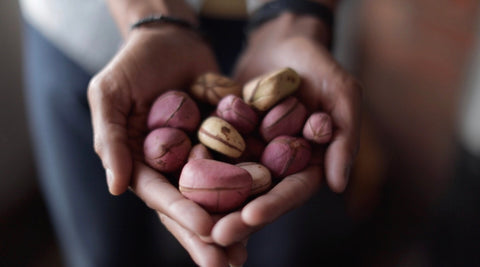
{"type": "Point", "coordinates": [415, 56]}
{"type": "Point", "coordinates": [17, 182]}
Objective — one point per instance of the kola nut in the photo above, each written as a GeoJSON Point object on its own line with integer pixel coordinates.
{"type": "Point", "coordinates": [265, 91]}
{"type": "Point", "coordinates": [216, 186]}
{"type": "Point", "coordinates": [166, 149]}
{"type": "Point", "coordinates": [174, 109]}
{"type": "Point", "coordinates": [219, 135]}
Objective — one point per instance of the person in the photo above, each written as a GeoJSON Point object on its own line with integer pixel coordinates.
{"type": "Point", "coordinates": [96, 229]}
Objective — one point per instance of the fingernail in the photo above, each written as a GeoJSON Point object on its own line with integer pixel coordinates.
{"type": "Point", "coordinates": [109, 178]}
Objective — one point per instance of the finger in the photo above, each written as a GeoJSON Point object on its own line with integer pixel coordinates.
{"type": "Point", "coordinates": [343, 148]}
{"type": "Point", "coordinates": [232, 229]}
{"type": "Point", "coordinates": [109, 109]}
{"type": "Point", "coordinates": [202, 253]}
{"type": "Point", "coordinates": [215, 218]}
{"type": "Point", "coordinates": [237, 254]}
{"type": "Point", "coordinates": [338, 162]}
{"type": "Point", "coordinates": [290, 193]}
{"type": "Point", "coordinates": [159, 194]}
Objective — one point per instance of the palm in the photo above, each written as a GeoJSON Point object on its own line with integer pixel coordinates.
{"type": "Point", "coordinates": [325, 85]}
{"type": "Point", "coordinates": [150, 63]}
{"type": "Point", "coordinates": [147, 67]}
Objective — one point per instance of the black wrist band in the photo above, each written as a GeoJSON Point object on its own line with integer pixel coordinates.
{"type": "Point", "coordinates": [160, 19]}
{"type": "Point", "coordinates": [274, 8]}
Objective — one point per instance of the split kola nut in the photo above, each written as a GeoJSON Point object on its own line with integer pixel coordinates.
{"type": "Point", "coordinates": [212, 87]}
{"type": "Point", "coordinates": [221, 136]}
{"type": "Point", "coordinates": [265, 91]}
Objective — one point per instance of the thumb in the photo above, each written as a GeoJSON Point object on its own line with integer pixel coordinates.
{"type": "Point", "coordinates": [109, 108]}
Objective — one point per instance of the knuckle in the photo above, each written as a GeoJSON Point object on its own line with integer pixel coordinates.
{"type": "Point", "coordinates": [163, 218]}
{"type": "Point", "coordinates": [98, 145]}
{"type": "Point", "coordinates": [103, 86]}
{"type": "Point", "coordinates": [94, 87]}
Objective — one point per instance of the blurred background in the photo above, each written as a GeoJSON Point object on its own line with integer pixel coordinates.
{"type": "Point", "coordinates": [412, 56]}
{"type": "Point", "coordinates": [26, 237]}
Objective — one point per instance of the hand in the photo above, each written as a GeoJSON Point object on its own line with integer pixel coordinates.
{"type": "Point", "coordinates": [152, 61]}
{"type": "Point", "coordinates": [298, 42]}
{"type": "Point", "coordinates": [188, 222]}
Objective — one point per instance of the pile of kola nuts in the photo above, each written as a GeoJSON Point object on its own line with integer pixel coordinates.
{"type": "Point", "coordinates": [229, 142]}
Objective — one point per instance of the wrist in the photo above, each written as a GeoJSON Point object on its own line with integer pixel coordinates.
{"type": "Point", "coordinates": [128, 12]}
{"type": "Point", "coordinates": [182, 44]}
{"type": "Point", "coordinates": [288, 25]}
{"type": "Point", "coordinates": [171, 32]}
{"type": "Point", "coordinates": [289, 18]}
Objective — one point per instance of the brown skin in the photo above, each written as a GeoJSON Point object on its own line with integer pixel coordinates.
{"type": "Point", "coordinates": [155, 59]}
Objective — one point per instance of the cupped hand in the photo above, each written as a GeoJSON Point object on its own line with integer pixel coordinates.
{"type": "Point", "coordinates": [290, 41]}
{"type": "Point", "coordinates": [152, 61]}
{"type": "Point", "coordinates": [187, 222]}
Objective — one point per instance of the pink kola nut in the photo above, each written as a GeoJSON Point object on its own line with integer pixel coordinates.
{"type": "Point", "coordinates": [174, 109]}
{"type": "Point", "coordinates": [286, 155]}
{"type": "Point", "coordinates": [199, 151]}
{"type": "Point", "coordinates": [286, 118]}
{"type": "Point", "coordinates": [166, 149]}
{"type": "Point", "coordinates": [216, 186]}
{"type": "Point", "coordinates": [318, 128]}
{"type": "Point", "coordinates": [238, 113]}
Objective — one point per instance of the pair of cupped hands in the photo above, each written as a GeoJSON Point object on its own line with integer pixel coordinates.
{"type": "Point", "coordinates": [156, 59]}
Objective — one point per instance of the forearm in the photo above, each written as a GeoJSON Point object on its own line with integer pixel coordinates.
{"type": "Point", "coordinates": [127, 12]}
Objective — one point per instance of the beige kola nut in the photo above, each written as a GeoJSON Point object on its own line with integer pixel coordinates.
{"type": "Point", "coordinates": [265, 91]}
{"type": "Point", "coordinates": [221, 136]}
{"type": "Point", "coordinates": [261, 178]}
{"type": "Point", "coordinates": [212, 87]}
